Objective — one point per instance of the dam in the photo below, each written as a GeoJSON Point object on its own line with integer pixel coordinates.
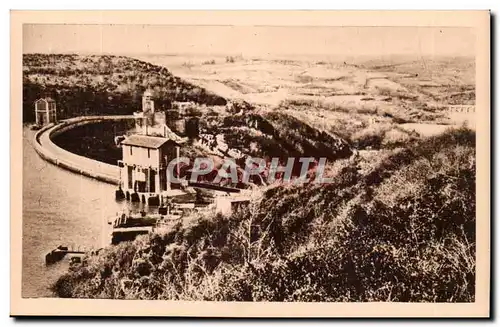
{"type": "Point", "coordinates": [52, 153]}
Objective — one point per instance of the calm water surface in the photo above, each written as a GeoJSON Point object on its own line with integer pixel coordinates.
{"type": "Point", "coordinates": [59, 208]}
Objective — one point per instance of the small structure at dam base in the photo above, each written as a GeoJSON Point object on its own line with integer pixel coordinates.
{"type": "Point", "coordinates": [60, 252]}
{"type": "Point", "coordinates": [143, 169]}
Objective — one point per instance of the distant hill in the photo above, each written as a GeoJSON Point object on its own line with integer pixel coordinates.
{"type": "Point", "coordinates": [102, 84]}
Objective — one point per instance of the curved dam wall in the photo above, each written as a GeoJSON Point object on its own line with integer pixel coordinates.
{"type": "Point", "coordinates": [58, 156]}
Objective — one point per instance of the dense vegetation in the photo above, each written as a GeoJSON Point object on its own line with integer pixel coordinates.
{"type": "Point", "coordinates": [274, 134]}
{"type": "Point", "coordinates": [400, 227]}
{"type": "Point", "coordinates": [83, 85]}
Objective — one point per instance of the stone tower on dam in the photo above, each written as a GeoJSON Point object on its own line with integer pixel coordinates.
{"type": "Point", "coordinates": [182, 119]}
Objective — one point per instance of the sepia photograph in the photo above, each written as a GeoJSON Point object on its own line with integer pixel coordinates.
{"type": "Point", "coordinates": [252, 163]}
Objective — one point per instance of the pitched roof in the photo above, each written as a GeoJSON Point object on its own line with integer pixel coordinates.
{"type": "Point", "coordinates": [45, 99]}
{"type": "Point", "coordinates": [146, 141]}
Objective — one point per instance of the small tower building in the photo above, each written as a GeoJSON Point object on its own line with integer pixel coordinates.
{"type": "Point", "coordinates": [45, 111]}
{"type": "Point", "coordinates": [148, 104]}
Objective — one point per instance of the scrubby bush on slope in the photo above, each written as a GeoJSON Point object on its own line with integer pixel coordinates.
{"type": "Point", "coordinates": [275, 134]}
{"type": "Point", "coordinates": [403, 230]}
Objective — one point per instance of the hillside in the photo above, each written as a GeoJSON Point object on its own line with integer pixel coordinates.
{"type": "Point", "coordinates": [273, 134]}
{"type": "Point", "coordinates": [102, 84]}
{"type": "Point", "coordinates": [396, 227]}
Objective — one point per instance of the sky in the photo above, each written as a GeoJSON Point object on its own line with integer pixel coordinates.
{"type": "Point", "coordinates": [248, 40]}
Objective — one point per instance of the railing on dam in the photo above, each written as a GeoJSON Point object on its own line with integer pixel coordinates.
{"type": "Point", "coordinates": [52, 153]}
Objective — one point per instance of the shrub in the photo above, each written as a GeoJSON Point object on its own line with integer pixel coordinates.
{"type": "Point", "coordinates": [403, 230]}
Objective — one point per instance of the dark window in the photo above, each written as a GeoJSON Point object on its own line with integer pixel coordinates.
{"type": "Point", "coordinates": [129, 174]}
{"type": "Point", "coordinates": [152, 186]}
{"type": "Point", "coordinates": [130, 150]}
{"type": "Point", "coordinates": [149, 155]}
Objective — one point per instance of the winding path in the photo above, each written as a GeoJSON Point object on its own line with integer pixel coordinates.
{"type": "Point", "coordinates": [52, 153]}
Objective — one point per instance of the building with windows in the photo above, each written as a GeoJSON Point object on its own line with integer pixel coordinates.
{"type": "Point", "coordinates": [463, 109]}
{"type": "Point", "coordinates": [45, 111]}
{"type": "Point", "coordinates": [145, 154]}
{"type": "Point", "coordinates": [143, 169]}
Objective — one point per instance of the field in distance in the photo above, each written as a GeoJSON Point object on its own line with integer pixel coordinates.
{"type": "Point", "coordinates": [411, 92]}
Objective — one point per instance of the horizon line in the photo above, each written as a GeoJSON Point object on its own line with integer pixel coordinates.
{"type": "Point", "coordinates": [180, 54]}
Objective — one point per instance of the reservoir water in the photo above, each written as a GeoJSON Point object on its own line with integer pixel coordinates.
{"type": "Point", "coordinates": [59, 208]}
